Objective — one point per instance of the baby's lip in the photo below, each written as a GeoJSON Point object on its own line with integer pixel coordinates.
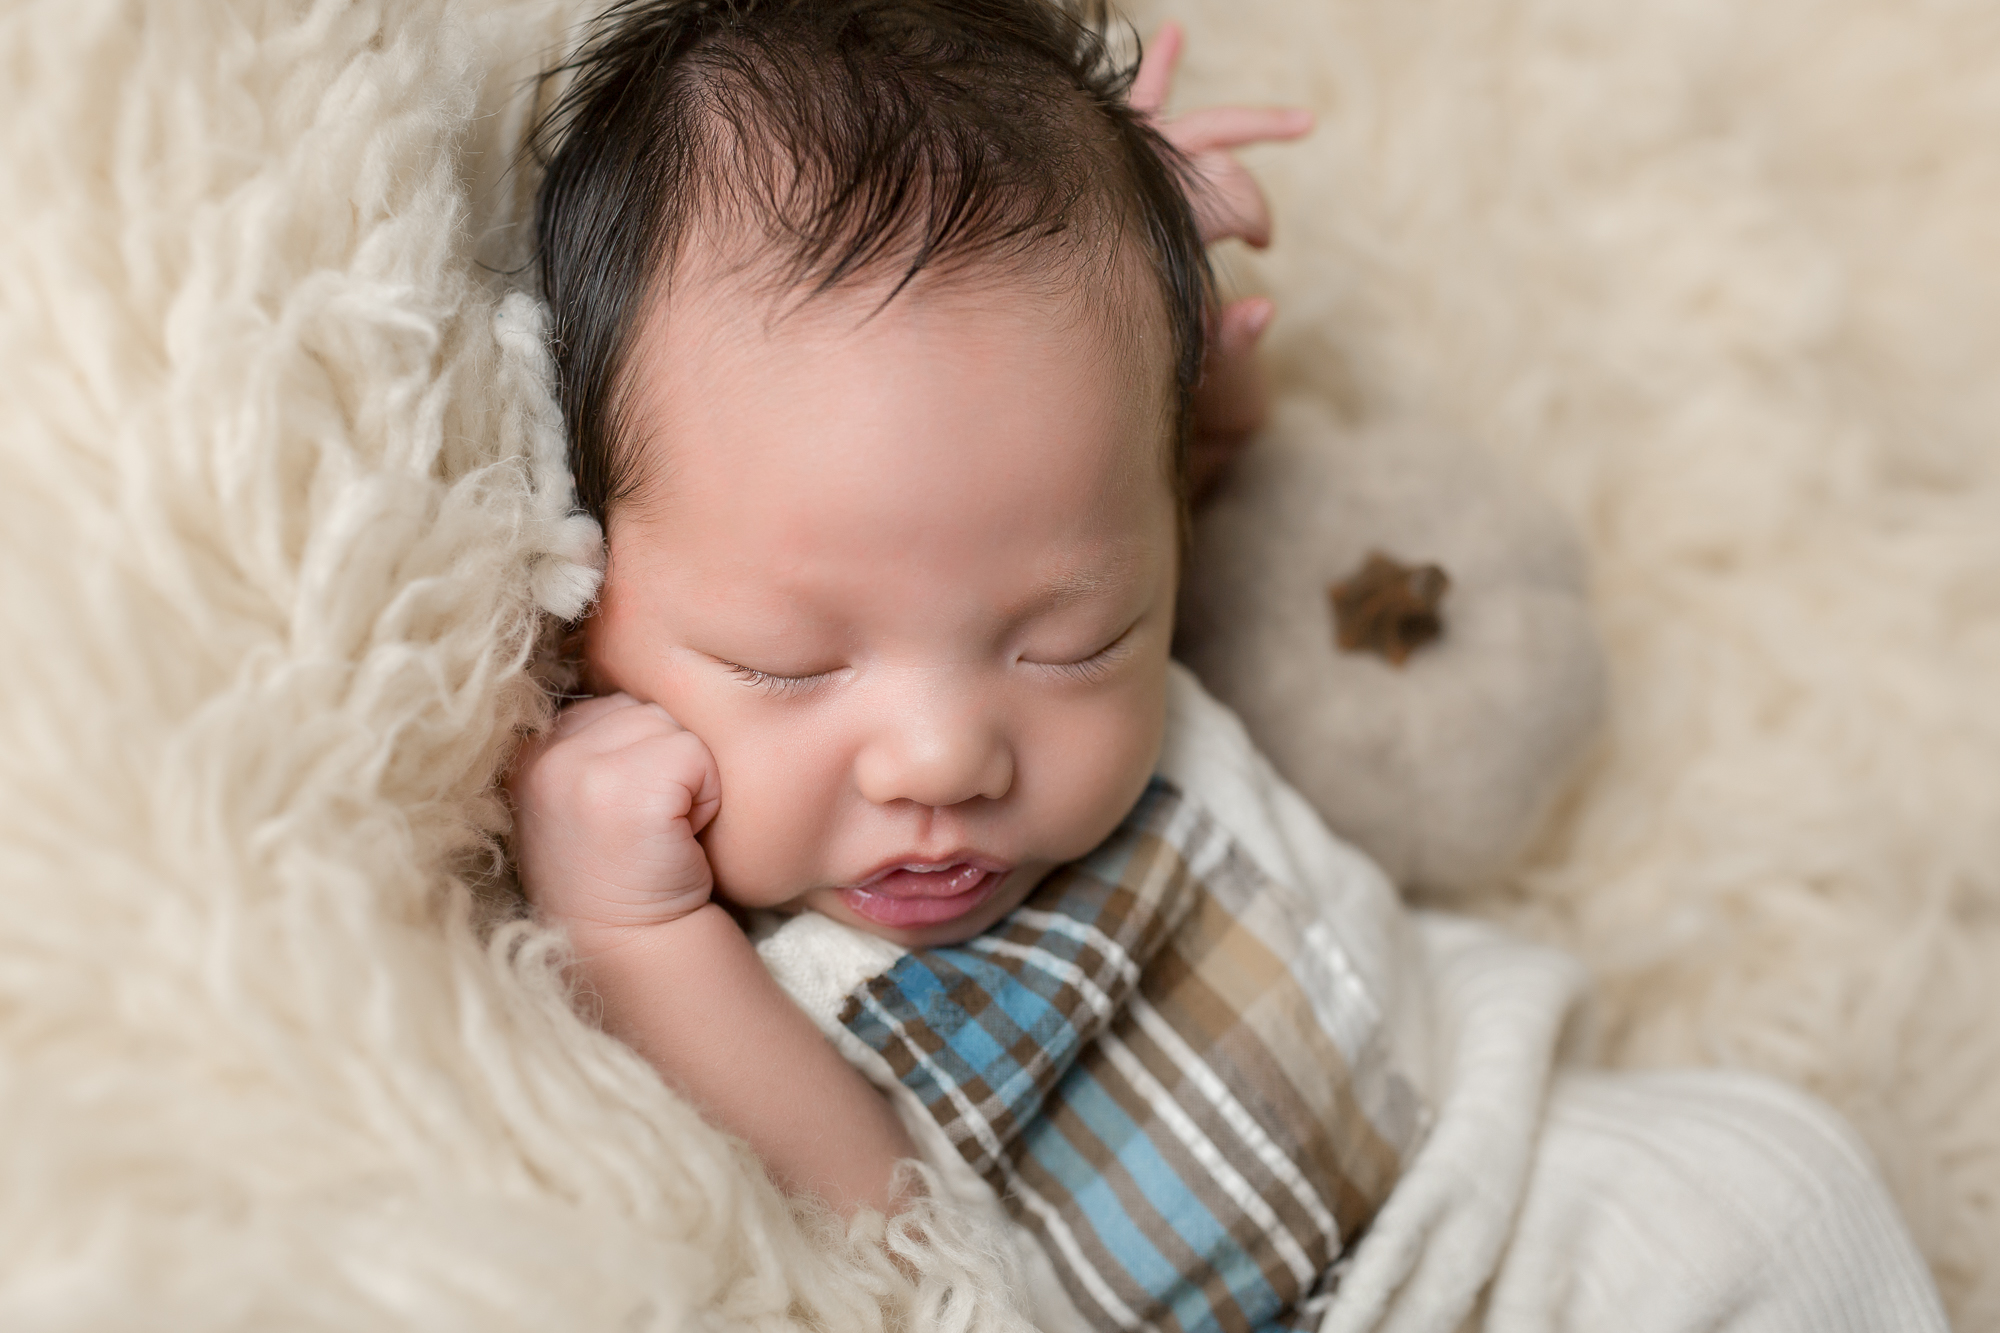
{"type": "Point", "coordinates": [927, 868]}
{"type": "Point", "coordinates": [921, 894]}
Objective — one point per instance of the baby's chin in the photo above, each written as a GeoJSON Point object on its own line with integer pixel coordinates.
{"type": "Point", "coordinates": [993, 902]}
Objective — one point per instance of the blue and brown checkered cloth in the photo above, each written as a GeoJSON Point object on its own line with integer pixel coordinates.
{"type": "Point", "coordinates": [1166, 1068]}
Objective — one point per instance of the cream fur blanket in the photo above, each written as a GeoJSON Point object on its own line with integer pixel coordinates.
{"type": "Point", "coordinates": [1725, 279]}
{"type": "Point", "coordinates": [283, 497]}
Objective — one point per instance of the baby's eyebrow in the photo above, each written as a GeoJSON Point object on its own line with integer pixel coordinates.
{"type": "Point", "coordinates": [1067, 588]}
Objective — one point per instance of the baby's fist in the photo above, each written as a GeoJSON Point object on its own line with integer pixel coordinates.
{"type": "Point", "coordinates": [607, 804]}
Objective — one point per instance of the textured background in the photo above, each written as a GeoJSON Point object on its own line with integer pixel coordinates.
{"type": "Point", "coordinates": [1724, 281]}
{"type": "Point", "coordinates": [1720, 279]}
{"type": "Point", "coordinates": [284, 489]}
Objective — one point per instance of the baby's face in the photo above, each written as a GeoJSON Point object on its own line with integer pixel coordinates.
{"type": "Point", "coordinates": [911, 577]}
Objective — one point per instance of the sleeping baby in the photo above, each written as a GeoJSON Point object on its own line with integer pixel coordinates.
{"type": "Point", "coordinates": [892, 832]}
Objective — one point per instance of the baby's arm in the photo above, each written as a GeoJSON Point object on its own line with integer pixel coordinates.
{"type": "Point", "coordinates": [607, 806]}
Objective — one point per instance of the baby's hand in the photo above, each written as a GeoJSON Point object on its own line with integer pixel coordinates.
{"type": "Point", "coordinates": [1229, 405]}
{"type": "Point", "coordinates": [607, 805]}
{"type": "Point", "coordinates": [1229, 202]}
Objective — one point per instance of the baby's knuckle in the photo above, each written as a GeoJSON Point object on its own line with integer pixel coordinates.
{"type": "Point", "coordinates": [690, 749]}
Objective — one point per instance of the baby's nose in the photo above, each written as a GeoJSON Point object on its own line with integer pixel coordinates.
{"type": "Point", "coordinates": [936, 753]}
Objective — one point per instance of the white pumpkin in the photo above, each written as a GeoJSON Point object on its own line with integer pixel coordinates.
{"type": "Point", "coordinates": [1445, 767]}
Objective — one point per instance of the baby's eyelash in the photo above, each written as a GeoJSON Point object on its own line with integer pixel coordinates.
{"type": "Point", "coordinates": [771, 683]}
{"type": "Point", "coordinates": [1098, 665]}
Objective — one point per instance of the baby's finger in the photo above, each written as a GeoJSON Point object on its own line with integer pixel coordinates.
{"type": "Point", "coordinates": [1229, 405]}
{"type": "Point", "coordinates": [583, 712]}
{"type": "Point", "coordinates": [708, 794]}
{"type": "Point", "coordinates": [681, 758]}
{"type": "Point", "coordinates": [1242, 323]}
{"type": "Point", "coordinates": [1228, 202]}
{"type": "Point", "coordinates": [676, 762]}
{"type": "Point", "coordinates": [617, 728]}
{"type": "Point", "coordinates": [1230, 399]}
{"type": "Point", "coordinates": [1233, 126]}
{"type": "Point", "coordinates": [1156, 71]}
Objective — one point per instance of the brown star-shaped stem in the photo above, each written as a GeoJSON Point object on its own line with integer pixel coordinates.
{"type": "Point", "coordinates": [1388, 607]}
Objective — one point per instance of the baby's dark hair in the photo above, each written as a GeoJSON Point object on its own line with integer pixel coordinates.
{"type": "Point", "coordinates": [863, 138]}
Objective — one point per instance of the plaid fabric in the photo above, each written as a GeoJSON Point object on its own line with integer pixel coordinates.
{"type": "Point", "coordinates": [1164, 1065]}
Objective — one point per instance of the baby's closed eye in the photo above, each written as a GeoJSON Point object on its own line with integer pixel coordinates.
{"type": "Point", "coordinates": [778, 683]}
{"type": "Point", "coordinates": [1090, 665]}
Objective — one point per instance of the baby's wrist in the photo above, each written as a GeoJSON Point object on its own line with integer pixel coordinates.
{"type": "Point", "coordinates": [595, 937]}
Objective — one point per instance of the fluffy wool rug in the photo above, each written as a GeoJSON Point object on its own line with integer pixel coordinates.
{"type": "Point", "coordinates": [285, 503]}
{"type": "Point", "coordinates": [1725, 280]}
{"type": "Point", "coordinates": [284, 510]}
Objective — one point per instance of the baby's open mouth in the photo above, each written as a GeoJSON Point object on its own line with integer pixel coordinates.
{"type": "Point", "coordinates": [922, 895]}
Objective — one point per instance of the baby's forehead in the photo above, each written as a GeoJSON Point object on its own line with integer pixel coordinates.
{"type": "Point", "coordinates": [723, 338]}
{"type": "Point", "coordinates": [968, 390]}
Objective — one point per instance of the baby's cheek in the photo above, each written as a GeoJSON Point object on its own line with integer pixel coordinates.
{"type": "Point", "coordinates": [1100, 759]}
{"type": "Point", "coordinates": [763, 843]}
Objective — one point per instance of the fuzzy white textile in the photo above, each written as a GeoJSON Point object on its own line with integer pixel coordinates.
{"type": "Point", "coordinates": [282, 501]}
{"type": "Point", "coordinates": [284, 495]}
{"type": "Point", "coordinates": [1724, 280]}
